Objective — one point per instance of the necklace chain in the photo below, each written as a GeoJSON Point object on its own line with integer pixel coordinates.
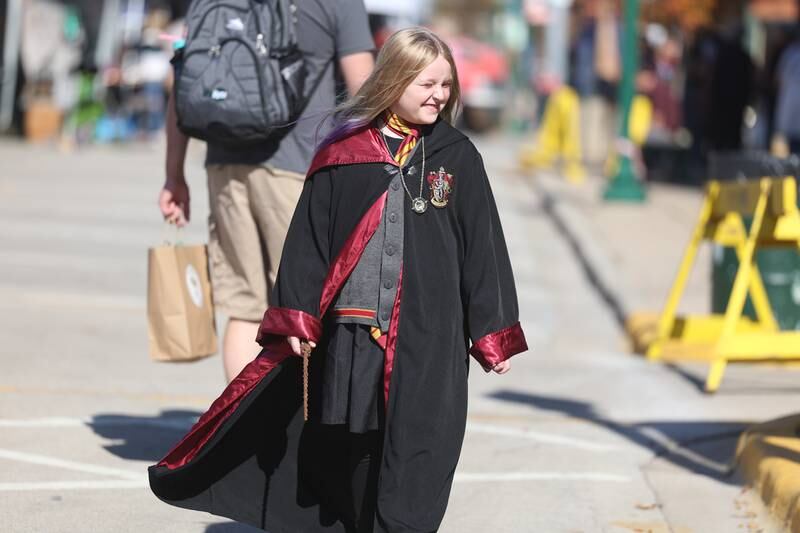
{"type": "Point", "coordinates": [400, 168]}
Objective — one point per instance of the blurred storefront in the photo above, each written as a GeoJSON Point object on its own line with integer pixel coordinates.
{"type": "Point", "coordinates": [484, 40]}
{"type": "Point", "coordinates": [515, 53]}
{"type": "Point", "coordinates": [702, 62]}
{"type": "Point", "coordinates": [772, 27]}
{"type": "Point", "coordinates": [80, 70]}
{"type": "Point", "coordinates": [774, 10]}
{"type": "Point", "coordinates": [385, 16]}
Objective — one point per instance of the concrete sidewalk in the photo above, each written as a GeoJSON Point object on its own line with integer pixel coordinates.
{"type": "Point", "coordinates": [632, 252]}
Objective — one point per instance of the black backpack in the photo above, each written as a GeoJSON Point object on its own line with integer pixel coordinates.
{"type": "Point", "coordinates": [240, 78]}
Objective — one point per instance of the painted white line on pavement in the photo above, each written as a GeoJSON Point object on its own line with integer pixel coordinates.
{"type": "Point", "coordinates": [466, 477]}
{"type": "Point", "coordinates": [75, 485]}
{"type": "Point", "coordinates": [676, 448]}
{"type": "Point", "coordinates": [459, 478]}
{"type": "Point", "coordinates": [547, 438]}
{"type": "Point", "coordinates": [187, 422]}
{"type": "Point", "coordinates": [106, 421]}
{"type": "Point", "coordinates": [68, 465]}
{"type": "Point", "coordinates": [43, 422]}
{"type": "Point", "coordinates": [50, 297]}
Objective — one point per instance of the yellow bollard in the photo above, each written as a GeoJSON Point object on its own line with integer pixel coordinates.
{"type": "Point", "coordinates": [639, 123]}
{"type": "Point", "coordinates": [559, 136]}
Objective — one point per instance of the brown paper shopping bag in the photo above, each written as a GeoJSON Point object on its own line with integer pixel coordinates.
{"type": "Point", "coordinates": [180, 312]}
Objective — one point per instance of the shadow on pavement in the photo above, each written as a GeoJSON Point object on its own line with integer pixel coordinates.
{"type": "Point", "coordinates": [610, 298]}
{"type": "Point", "coordinates": [703, 447]}
{"type": "Point", "coordinates": [231, 527]}
{"type": "Point", "coordinates": [769, 384]}
{"type": "Point", "coordinates": [697, 381]}
{"type": "Point", "coordinates": [143, 438]}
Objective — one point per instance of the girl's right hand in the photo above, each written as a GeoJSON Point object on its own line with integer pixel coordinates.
{"type": "Point", "coordinates": [294, 342]}
{"type": "Point", "coordinates": [502, 368]}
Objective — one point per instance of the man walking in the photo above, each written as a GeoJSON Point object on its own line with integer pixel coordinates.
{"type": "Point", "coordinates": [253, 190]}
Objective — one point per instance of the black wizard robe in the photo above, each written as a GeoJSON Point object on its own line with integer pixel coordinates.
{"type": "Point", "coordinates": [251, 457]}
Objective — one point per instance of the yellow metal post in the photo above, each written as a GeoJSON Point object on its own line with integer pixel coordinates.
{"type": "Point", "coordinates": [741, 284]}
{"type": "Point", "coordinates": [758, 294]}
{"type": "Point", "coordinates": [559, 136]}
{"type": "Point", "coordinates": [667, 320]}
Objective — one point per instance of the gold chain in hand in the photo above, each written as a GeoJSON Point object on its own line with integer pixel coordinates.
{"type": "Point", "coordinates": [305, 352]}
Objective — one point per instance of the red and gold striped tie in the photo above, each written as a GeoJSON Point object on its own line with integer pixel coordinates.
{"type": "Point", "coordinates": [410, 136]}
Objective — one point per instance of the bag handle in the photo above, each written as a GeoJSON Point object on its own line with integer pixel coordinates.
{"type": "Point", "coordinates": [176, 236]}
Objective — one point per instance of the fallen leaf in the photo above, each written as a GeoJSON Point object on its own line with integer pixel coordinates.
{"type": "Point", "coordinates": [647, 506]}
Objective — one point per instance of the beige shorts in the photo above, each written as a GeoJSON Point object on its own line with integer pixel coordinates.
{"type": "Point", "coordinates": [251, 207]}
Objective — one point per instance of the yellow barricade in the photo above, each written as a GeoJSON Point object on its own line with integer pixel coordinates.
{"type": "Point", "coordinates": [720, 339]}
{"type": "Point", "coordinates": [559, 136]}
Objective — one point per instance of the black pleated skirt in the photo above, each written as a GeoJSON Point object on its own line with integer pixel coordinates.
{"type": "Point", "coordinates": [352, 381]}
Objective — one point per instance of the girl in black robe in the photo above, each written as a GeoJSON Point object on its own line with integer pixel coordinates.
{"type": "Point", "coordinates": [395, 270]}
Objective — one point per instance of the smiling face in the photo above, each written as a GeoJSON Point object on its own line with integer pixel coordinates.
{"type": "Point", "coordinates": [426, 96]}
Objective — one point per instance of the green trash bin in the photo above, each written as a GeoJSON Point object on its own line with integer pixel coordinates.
{"type": "Point", "coordinates": [779, 267]}
{"type": "Point", "coordinates": [780, 271]}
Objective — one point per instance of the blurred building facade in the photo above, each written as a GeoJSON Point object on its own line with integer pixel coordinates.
{"type": "Point", "coordinates": [711, 75]}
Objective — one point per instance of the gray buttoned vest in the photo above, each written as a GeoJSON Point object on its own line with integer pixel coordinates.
{"type": "Point", "coordinates": [368, 295]}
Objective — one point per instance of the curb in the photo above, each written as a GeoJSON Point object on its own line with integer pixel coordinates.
{"type": "Point", "coordinates": [768, 456]}
{"type": "Point", "coordinates": [575, 229]}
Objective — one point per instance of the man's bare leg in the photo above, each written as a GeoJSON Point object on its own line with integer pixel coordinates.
{"type": "Point", "coordinates": [239, 346]}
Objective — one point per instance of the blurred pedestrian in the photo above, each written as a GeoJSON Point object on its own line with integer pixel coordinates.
{"type": "Point", "coordinates": [254, 189]}
{"type": "Point", "coordinates": [731, 89]}
{"type": "Point", "coordinates": [154, 73]}
{"type": "Point", "coordinates": [607, 59]}
{"type": "Point", "coordinates": [394, 260]}
{"type": "Point", "coordinates": [658, 82]}
{"type": "Point", "coordinates": [787, 110]}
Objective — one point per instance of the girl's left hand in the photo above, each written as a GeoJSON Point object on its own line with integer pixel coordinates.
{"type": "Point", "coordinates": [502, 368]}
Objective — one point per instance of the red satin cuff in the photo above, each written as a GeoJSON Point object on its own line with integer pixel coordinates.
{"type": "Point", "coordinates": [286, 322]}
{"type": "Point", "coordinates": [499, 346]}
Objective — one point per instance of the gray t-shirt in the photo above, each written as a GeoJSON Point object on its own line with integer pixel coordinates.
{"type": "Point", "coordinates": [326, 30]}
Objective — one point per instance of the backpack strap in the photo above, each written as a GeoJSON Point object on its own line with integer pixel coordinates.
{"type": "Point", "coordinates": [284, 21]}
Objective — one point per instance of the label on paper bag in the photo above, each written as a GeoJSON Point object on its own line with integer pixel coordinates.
{"type": "Point", "coordinates": [193, 286]}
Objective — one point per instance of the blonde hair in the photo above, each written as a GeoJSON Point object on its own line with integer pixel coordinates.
{"type": "Point", "coordinates": [402, 58]}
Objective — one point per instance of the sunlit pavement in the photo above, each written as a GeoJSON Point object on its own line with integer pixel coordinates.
{"type": "Point", "coordinates": [579, 436]}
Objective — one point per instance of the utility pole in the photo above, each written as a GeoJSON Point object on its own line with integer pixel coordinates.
{"type": "Point", "coordinates": [8, 72]}
{"type": "Point", "coordinates": [624, 185]}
